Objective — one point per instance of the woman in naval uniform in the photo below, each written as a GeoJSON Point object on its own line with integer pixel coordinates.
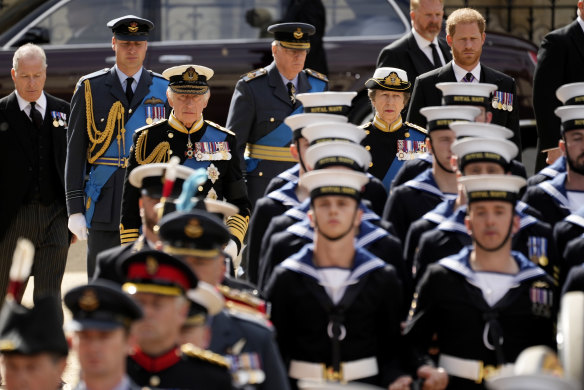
{"type": "Point", "coordinates": [390, 140]}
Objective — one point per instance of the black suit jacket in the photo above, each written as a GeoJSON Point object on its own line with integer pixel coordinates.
{"type": "Point", "coordinates": [406, 54]}
{"type": "Point", "coordinates": [425, 94]}
{"type": "Point", "coordinates": [16, 170]}
{"type": "Point", "coordinates": [560, 60]}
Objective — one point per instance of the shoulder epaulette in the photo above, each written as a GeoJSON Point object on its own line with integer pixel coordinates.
{"type": "Point", "coordinates": [364, 125]}
{"type": "Point", "coordinates": [219, 127]}
{"type": "Point", "coordinates": [156, 74]}
{"type": "Point", "coordinates": [159, 122]}
{"type": "Point", "coordinates": [100, 72]}
{"type": "Point", "coordinates": [419, 128]}
{"type": "Point", "coordinates": [202, 354]}
{"type": "Point", "coordinates": [253, 74]}
{"type": "Point", "coordinates": [244, 298]}
{"type": "Point", "coordinates": [247, 314]}
{"type": "Point", "coordinates": [316, 74]}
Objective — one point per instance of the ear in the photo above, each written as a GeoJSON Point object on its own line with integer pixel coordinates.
{"type": "Point", "coordinates": [468, 225]}
{"type": "Point", "coordinates": [310, 215]}
{"type": "Point", "coordinates": [449, 40]}
{"type": "Point", "coordinates": [294, 151]}
{"type": "Point", "coordinates": [358, 216]}
{"type": "Point", "coordinates": [169, 98]}
{"type": "Point", "coordinates": [13, 73]}
{"type": "Point", "coordinates": [454, 163]}
{"type": "Point", "coordinates": [516, 224]}
{"type": "Point", "coordinates": [207, 98]}
{"type": "Point", "coordinates": [274, 49]}
{"type": "Point", "coordinates": [429, 145]}
{"type": "Point", "coordinates": [562, 146]}
{"type": "Point", "coordinates": [483, 38]}
{"type": "Point", "coordinates": [114, 43]}
{"type": "Point", "coordinates": [488, 117]}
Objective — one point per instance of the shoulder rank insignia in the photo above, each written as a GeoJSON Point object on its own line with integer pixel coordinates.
{"type": "Point", "coordinates": [316, 74]}
{"type": "Point", "coordinates": [244, 298]}
{"type": "Point", "coordinates": [254, 74]}
{"type": "Point", "coordinates": [90, 76]}
{"type": "Point", "coordinates": [414, 126]}
{"type": "Point", "coordinates": [219, 127]}
{"type": "Point", "coordinates": [202, 354]}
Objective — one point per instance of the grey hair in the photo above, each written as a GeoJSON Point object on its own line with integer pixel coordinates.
{"type": "Point", "coordinates": [29, 50]}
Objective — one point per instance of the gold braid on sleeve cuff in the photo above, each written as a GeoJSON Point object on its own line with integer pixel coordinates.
{"type": "Point", "coordinates": [237, 225]}
{"type": "Point", "coordinates": [128, 235]}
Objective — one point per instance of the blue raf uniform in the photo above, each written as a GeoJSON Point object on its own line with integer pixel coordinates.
{"type": "Point", "coordinates": [101, 126]}
{"type": "Point", "coordinates": [260, 103]}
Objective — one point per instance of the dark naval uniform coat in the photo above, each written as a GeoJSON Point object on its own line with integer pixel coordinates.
{"type": "Point", "coordinates": [368, 312]}
{"type": "Point", "coordinates": [187, 367]}
{"type": "Point", "coordinates": [449, 303]}
{"type": "Point", "coordinates": [259, 105]}
{"type": "Point", "coordinates": [569, 228]}
{"type": "Point", "coordinates": [549, 199]}
{"type": "Point", "coordinates": [250, 346]}
{"type": "Point", "coordinates": [391, 145]}
{"type": "Point", "coordinates": [534, 240]}
{"type": "Point", "coordinates": [213, 148]}
{"type": "Point", "coordinates": [573, 254]}
{"type": "Point", "coordinates": [549, 172]}
{"type": "Point", "coordinates": [426, 94]}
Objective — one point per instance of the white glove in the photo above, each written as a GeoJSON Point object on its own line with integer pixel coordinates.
{"type": "Point", "coordinates": [231, 250]}
{"type": "Point", "coordinates": [78, 226]}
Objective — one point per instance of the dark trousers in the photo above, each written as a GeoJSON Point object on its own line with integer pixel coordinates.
{"type": "Point", "coordinates": [46, 227]}
{"type": "Point", "coordinates": [98, 241]}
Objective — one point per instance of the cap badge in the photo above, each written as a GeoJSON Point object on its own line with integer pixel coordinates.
{"type": "Point", "coordinates": [190, 74]}
{"type": "Point", "coordinates": [88, 301]}
{"type": "Point", "coordinates": [393, 79]}
{"type": "Point", "coordinates": [151, 265]}
{"type": "Point", "coordinates": [298, 34]}
{"type": "Point", "coordinates": [193, 229]}
{"type": "Point", "coordinates": [133, 27]}
{"type": "Point", "coordinates": [7, 345]}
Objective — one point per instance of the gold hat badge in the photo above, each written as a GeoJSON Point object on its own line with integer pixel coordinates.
{"type": "Point", "coordinates": [190, 74]}
{"type": "Point", "coordinates": [393, 79]}
{"type": "Point", "coordinates": [151, 265]}
{"type": "Point", "coordinates": [88, 301]}
{"type": "Point", "coordinates": [133, 27]}
{"type": "Point", "coordinates": [298, 34]}
{"type": "Point", "coordinates": [193, 229]}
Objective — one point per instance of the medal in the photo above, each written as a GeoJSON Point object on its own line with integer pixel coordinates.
{"type": "Point", "coordinates": [55, 123]}
{"type": "Point", "coordinates": [510, 105]}
{"type": "Point", "coordinates": [149, 121]}
{"type": "Point", "coordinates": [504, 106]}
{"type": "Point", "coordinates": [494, 104]}
{"type": "Point", "coordinates": [189, 153]}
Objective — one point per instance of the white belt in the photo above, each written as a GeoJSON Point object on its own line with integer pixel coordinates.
{"type": "Point", "coordinates": [474, 370]}
{"type": "Point", "coordinates": [349, 371]}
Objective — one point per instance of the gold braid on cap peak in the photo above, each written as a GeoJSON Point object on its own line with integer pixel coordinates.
{"type": "Point", "coordinates": [159, 154]}
{"type": "Point", "coordinates": [96, 137]}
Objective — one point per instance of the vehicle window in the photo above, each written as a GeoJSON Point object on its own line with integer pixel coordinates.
{"type": "Point", "coordinates": [84, 21]}
{"type": "Point", "coordinates": [349, 18]}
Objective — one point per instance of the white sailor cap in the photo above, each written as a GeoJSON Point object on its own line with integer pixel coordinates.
{"type": "Point", "coordinates": [328, 102]}
{"type": "Point", "coordinates": [470, 150]}
{"type": "Point", "coordinates": [474, 94]}
{"type": "Point", "coordinates": [440, 117]}
{"type": "Point", "coordinates": [309, 384]}
{"type": "Point", "coordinates": [492, 187]}
{"type": "Point", "coordinates": [392, 79]}
{"type": "Point", "coordinates": [222, 207]}
{"type": "Point", "coordinates": [333, 132]}
{"type": "Point", "coordinates": [480, 130]}
{"type": "Point", "coordinates": [207, 296]}
{"type": "Point", "coordinates": [299, 121]}
{"type": "Point", "coordinates": [334, 153]}
{"type": "Point", "coordinates": [188, 79]}
{"type": "Point", "coordinates": [571, 94]}
{"type": "Point", "coordinates": [334, 182]}
{"type": "Point", "coordinates": [149, 178]}
{"type": "Point", "coordinates": [572, 117]}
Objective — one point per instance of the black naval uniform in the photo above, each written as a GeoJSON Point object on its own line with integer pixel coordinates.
{"type": "Point", "coordinates": [259, 105]}
{"type": "Point", "coordinates": [104, 153]}
{"type": "Point", "coordinates": [367, 316]}
{"type": "Point", "coordinates": [549, 199]}
{"type": "Point", "coordinates": [180, 368]}
{"type": "Point", "coordinates": [569, 228]}
{"type": "Point", "coordinates": [449, 303]}
{"type": "Point", "coordinates": [573, 254]}
{"type": "Point", "coordinates": [213, 147]}
{"type": "Point", "coordinates": [549, 172]}
{"type": "Point", "coordinates": [391, 145]}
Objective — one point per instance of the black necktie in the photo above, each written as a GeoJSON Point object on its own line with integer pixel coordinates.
{"type": "Point", "coordinates": [129, 91]}
{"type": "Point", "coordinates": [435, 56]}
{"type": "Point", "coordinates": [468, 78]}
{"type": "Point", "coordinates": [35, 116]}
{"type": "Point", "coordinates": [291, 92]}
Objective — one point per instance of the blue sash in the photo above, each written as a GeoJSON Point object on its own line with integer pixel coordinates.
{"type": "Point", "coordinates": [211, 135]}
{"type": "Point", "coordinates": [281, 136]}
{"type": "Point", "coordinates": [100, 174]}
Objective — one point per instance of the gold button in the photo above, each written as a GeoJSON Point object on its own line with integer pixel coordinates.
{"type": "Point", "coordinates": [261, 173]}
{"type": "Point", "coordinates": [407, 134]}
{"type": "Point", "coordinates": [170, 135]}
{"type": "Point", "coordinates": [154, 381]}
{"type": "Point", "coordinates": [272, 119]}
{"type": "Point", "coordinates": [101, 120]}
{"type": "Point", "coordinates": [130, 111]}
{"type": "Point", "coordinates": [169, 151]}
{"type": "Point", "coordinates": [200, 188]}
{"type": "Point", "coordinates": [368, 147]}
{"type": "Point", "coordinates": [370, 164]}
{"type": "Point", "coordinates": [367, 132]}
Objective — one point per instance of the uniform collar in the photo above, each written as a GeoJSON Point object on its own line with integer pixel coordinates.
{"type": "Point", "coordinates": [556, 188]}
{"type": "Point", "coordinates": [24, 105]}
{"type": "Point", "coordinates": [386, 127]}
{"type": "Point", "coordinates": [559, 166]}
{"type": "Point", "coordinates": [122, 76]}
{"type": "Point", "coordinates": [459, 73]}
{"type": "Point", "coordinates": [158, 363]}
{"type": "Point", "coordinates": [177, 125]}
{"type": "Point", "coordinates": [425, 182]}
{"type": "Point", "coordinates": [367, 234]}
{"type": "Point", "coordinates": [286, 194]}
{"type": "Point", "coordinates": [441, 212]}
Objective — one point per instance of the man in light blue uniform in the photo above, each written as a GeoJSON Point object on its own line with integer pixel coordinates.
{"type": "Point", "coordinates": [106, 108]}
{"type": "Point", "coordinates": [263, 98]}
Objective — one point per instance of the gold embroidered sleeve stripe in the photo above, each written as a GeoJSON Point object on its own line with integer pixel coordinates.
{"type": "Point", "coordinates": [237, 225]}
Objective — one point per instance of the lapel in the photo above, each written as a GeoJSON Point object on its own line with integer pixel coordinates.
{"type": "Point", "coordinates": [419, 59]}
{"type": "Point", "coordinates": [142, 88]}
{"type": "Point", "coordinates": [115, 87]}
{"type": "Point", "coordinates": [488, 76]}
{"type": "Point", "coordinates": [445, 50]}
{"type": "Point", "coordinates": [16, 118]}
{"type": "Point", "coordinates": [577, 36]}
{"type": "Point", "coordinates": [446, 74]}
{"type": "Point", "coordinates": [275, 82]}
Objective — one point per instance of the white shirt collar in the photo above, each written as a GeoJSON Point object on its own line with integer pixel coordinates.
{"type": "Point", "coordinates": [41, 104]}
{"type": "Point", "coordinates": [580, 22]}
{"type": "Point", "coordinates": [423, 42]}
{"type": "Point", "coordinates": [122, 76]}
{"type": "Point", "coordinates": [459, 73]}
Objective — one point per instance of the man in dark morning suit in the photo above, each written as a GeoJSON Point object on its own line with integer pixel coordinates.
{"type": "Point", "coordinates": [263, 98]}
{"type": "Point", "coordinates": [462, 25]}
{"type": "Point", "coordinates": [33, 142]}
{"type": "Point", "coordinates": [413, 52]}
{"type": "Point", "coordinates": [107, 107]}
{"type": "Point", "coordinates": [560, 61]}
